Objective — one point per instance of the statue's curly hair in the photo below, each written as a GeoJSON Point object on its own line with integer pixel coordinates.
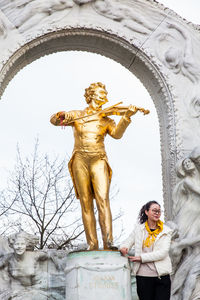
{"type": "Point", "coordinates": [30, 239]}
{"type": "Point", "coordinates": [89, 92]}
{"type": "Point", "coordinates": [142, 215]}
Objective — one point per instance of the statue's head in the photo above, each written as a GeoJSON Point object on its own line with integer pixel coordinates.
{"type": "Point", "coordinates": [184, 167]}
{"type": "Point", "coordinates": [22, 241]}
{"type": "Point", "coordinates": [188, 164]}
{"type": "Point", "coordinates": [96, 93]}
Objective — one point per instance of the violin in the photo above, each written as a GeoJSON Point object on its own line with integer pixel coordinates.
{"type": "Point", "coordinates": [109, 111]}
{"type": "Point", "coordinates": [120, 110]}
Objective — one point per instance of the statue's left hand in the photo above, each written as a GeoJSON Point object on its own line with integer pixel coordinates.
{"type": "Point", "coordinates": [132, 109]}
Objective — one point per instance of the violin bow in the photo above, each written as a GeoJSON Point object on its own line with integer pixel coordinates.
{"type": "Point", "coordinates": [104, 111]}
{"type": "Point", "coordinates": [96, 113]}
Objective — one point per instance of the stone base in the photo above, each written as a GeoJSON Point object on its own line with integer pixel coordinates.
{"type": "Point", "coordinates": [97, 275]}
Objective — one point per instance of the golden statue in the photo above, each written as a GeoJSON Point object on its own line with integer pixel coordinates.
{"type": "Point", "coordinates": [89, 168]}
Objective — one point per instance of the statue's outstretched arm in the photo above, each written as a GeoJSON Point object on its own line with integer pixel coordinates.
{"type": "Point", "coordinates": [62, 118]}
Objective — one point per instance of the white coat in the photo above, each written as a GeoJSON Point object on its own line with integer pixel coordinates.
{"type": "Point", "coordinates": [160, 253]}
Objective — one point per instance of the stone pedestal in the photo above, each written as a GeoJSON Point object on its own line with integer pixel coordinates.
{"type": "Point", "coordinates": [97, 275]}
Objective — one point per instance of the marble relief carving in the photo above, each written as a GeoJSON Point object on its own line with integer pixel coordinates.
{"type": "Point", "coordinates": [185, 248]}
{"type": "Point", "coordinates": [192, 118]}
{"type": "Point", "coordinates": [194, 107]}
{"type": "Point", "coordinates": [3, 29]}
{"type": "Point", "coordinates": [178, 54]}
{"type": "Point", "coordinates": [80, 2]}
{"type": "Point", "coordinates": [27, 274]}
{"type": "Point", "coordinates": [121, 13]}
{"type": "Point", "coordinates": [27, 14]}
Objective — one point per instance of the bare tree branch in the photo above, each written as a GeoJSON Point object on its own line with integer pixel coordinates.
{"type": "Point", "coordinates": [40, 199]}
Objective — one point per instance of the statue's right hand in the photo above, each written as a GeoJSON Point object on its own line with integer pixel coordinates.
{"type": "Point", "coordinates": [62, 118]}
{"type": "Point", "coordinates": [68, 117]}
{"type": "Point", "coordinates": [60, 115]}
{"type": "Point", "coordinates": [124, 251]}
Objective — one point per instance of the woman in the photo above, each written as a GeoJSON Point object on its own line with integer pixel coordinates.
{"type": "Point", "coordinates": [152, 264]}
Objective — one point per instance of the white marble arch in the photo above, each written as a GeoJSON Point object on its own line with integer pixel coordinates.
{"type": "Point", "coordinates": [151, 41]}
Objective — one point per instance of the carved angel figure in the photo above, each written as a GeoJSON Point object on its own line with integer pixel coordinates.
{"type": "Point", "coordinates": [121, 13]}
{"type": "Point", "coordinates": [180, 58]}
{"type": "Point", "coordinates": [32, 12]}
{"type": "Point", "coordinates": [185, 204]}
{"type": "Point", "coordinates": [186, 193]}
{"type": "Point", "coordinates": [186, 248]}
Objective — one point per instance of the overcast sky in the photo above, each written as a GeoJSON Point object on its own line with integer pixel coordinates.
{"type": "Point", "coordinates": [57, 82]}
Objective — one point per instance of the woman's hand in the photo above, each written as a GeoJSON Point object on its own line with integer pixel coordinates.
{"type": "Point", "coordinates": [124, 251]}
{"type": "Point", "coordinates": [135, 258]}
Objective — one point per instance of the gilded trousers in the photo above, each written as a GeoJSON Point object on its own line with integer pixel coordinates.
{"type": "Point", "coordinates": [91, 176]}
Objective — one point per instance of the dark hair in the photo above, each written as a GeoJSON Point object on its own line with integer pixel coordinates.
{"type": "Point", "coordinates": [142, 216]}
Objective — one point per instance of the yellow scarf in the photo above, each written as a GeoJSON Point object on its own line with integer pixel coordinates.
{"type": "Point", "coordinates": [152, 234]}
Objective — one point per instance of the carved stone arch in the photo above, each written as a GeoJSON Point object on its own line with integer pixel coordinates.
{"type": "Point", "coordinates": [128, 55]}
{"type": "Point", "coordinates": [137, 34]}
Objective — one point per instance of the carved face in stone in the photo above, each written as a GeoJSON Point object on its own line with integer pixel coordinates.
{"type": "Point", "coordinates": [172, 57]}
{"type": "Point", "coordinates": [188, 164]}
{"type": "Point", "coordinates": [19, 246]}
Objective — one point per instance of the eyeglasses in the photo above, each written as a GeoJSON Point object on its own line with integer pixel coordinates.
{"type": "Point", "coordinates": [157, 212]}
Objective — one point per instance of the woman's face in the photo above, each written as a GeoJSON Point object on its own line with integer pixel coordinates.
{"type": "Point", "coordinates": [19, 246]}
{"type": "Point", "coordinates": [153, 213]}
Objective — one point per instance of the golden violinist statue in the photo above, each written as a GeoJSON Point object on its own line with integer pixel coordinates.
{"type": "Point", "coordinates": [89, 168]}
